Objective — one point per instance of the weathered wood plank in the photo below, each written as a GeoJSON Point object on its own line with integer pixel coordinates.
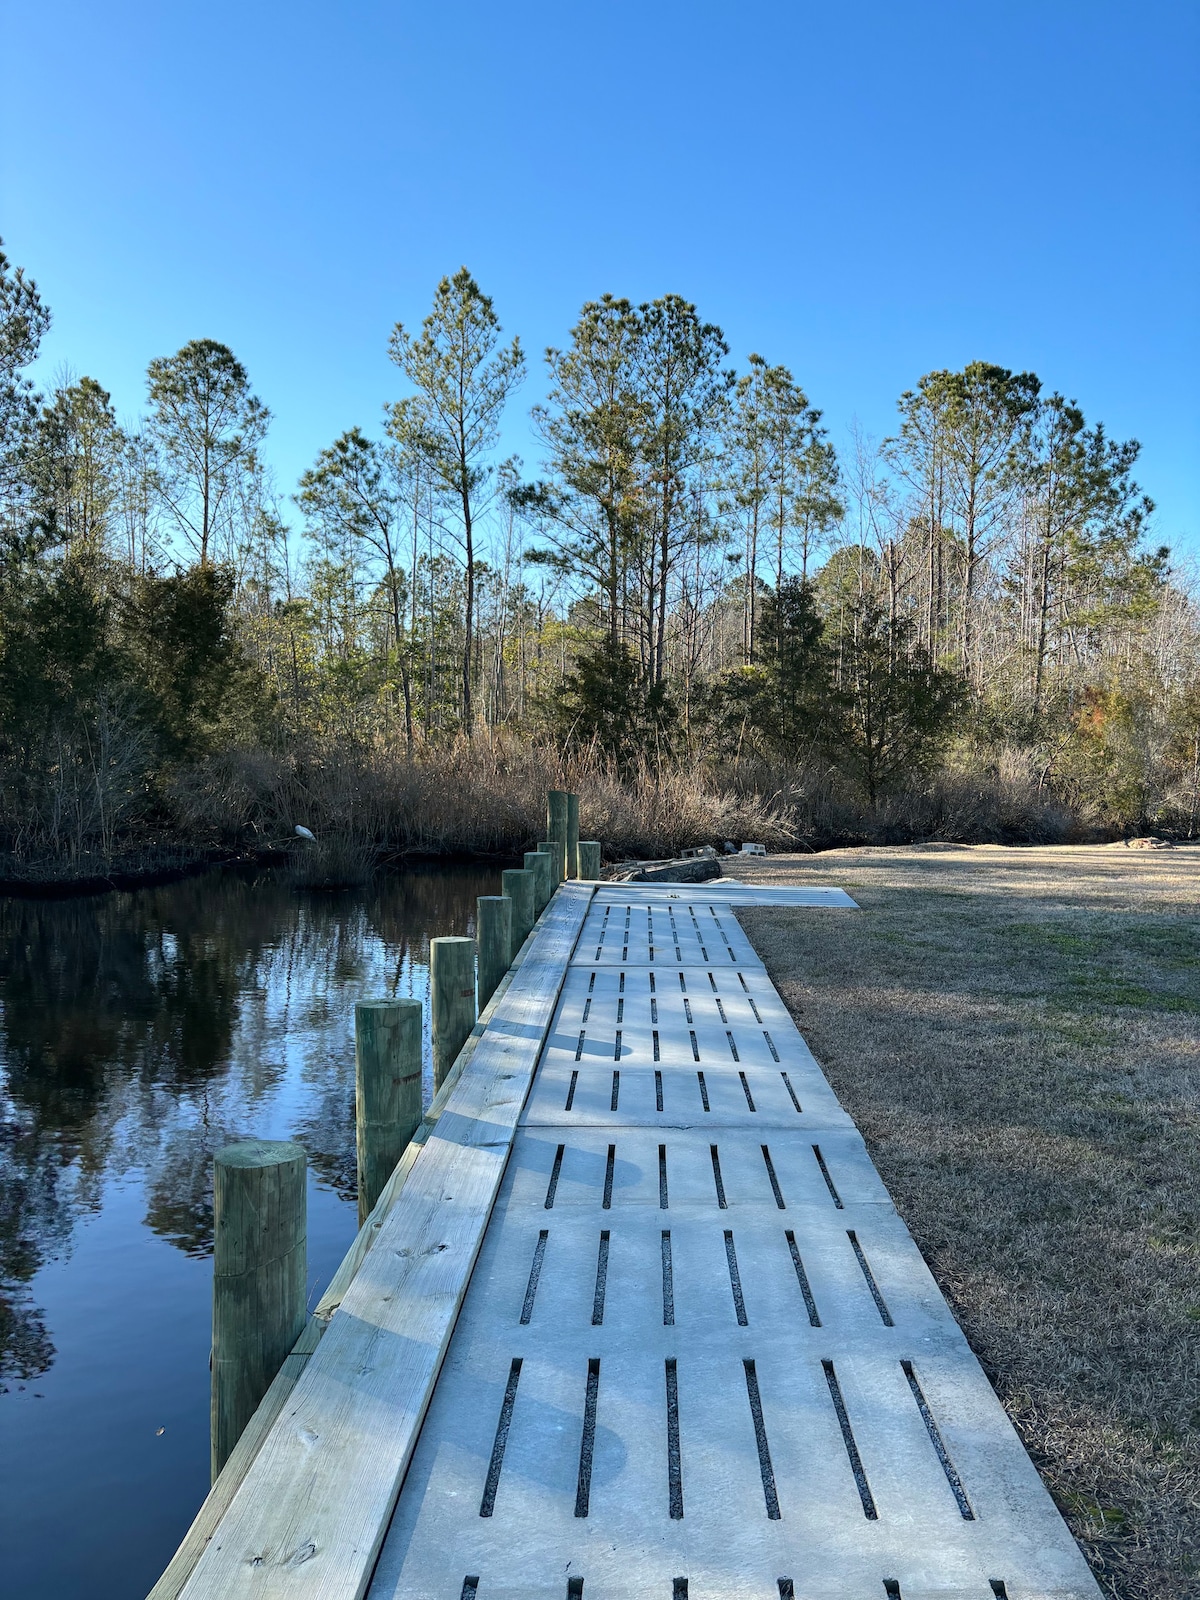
{"type": "Point", "coordinates": [308, 1518]}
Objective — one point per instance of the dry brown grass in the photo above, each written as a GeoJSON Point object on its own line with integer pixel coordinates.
{"type": "Point", "coordinates": [487, 796]}
{"type": "Point", "coordinates": [1017, 1033]}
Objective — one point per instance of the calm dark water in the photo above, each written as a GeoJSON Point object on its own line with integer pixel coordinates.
{"type": "Point", "coordinates": [138, 1034]}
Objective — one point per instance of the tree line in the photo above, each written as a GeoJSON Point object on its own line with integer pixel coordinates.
{"type": "Point", "coordinates": [690, 572]}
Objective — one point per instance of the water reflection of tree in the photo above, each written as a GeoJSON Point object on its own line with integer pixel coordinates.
{"type": "Point", "coordinates": [29, 1218]}
{"type": "Point", "coordinates": [143, 1031]}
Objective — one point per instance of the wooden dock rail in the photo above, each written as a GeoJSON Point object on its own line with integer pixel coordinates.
{"type": "Point", "coordinates": [633, 1317]}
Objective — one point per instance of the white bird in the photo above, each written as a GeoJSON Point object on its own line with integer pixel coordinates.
{"type": "Point", "coordinates": [303, 833]}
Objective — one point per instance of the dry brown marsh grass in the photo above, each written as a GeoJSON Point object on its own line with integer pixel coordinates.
{"type": "Point", "coordinates": [1017, 1033]}
{"type": "Point", "coordinates": [487, 796]}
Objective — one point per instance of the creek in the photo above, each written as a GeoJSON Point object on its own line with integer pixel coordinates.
{"type": "Point", "coordinates": [140, 1032]}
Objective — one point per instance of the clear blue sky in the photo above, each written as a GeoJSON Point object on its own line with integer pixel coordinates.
{"type": "Point", "coordinates": [862, 191]}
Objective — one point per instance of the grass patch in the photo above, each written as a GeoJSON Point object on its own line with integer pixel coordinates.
{"type": "Point", "coordinates": [1113, 992]}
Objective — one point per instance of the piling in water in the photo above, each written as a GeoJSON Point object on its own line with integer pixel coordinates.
{"type": "Point", "coordinates": [572, 835]}
{"type": "Point", "coordinates": [519, 886]}
{"type": "Point", "coordinates": [452, 1000]}
{"type": "Point", "coordinates": [538, 862]}
{"type": "Point", "coordinates": [493, 931]}
{"type": "Point", "coordinates": [387, 1090]}
{"type": "Point", "coordinates": [259, 1270]}
{"type": "Point", "coordinates": [589, 859]}
{"type": "Point", "coordinates": [556, 829]}
{"type": "Point", "coordinates": [546, 848]}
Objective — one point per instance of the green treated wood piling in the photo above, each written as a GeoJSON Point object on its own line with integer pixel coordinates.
{"type": "Point", "coordinates": [260, 1265]}
{"type": "Point", "coordinates": [519, 886]}
{"type": "Point", "coordinates": [572, 835]}
{"type": "Point", "coordinates": [546, 848]}
{"type": "Point", "coordinates": [452, 1000]}
{"type": "Point", "coordinates": [493, 931]}
{"type": "Point", "coordinates": [589, 859]}
{"type": "Point", "coordinates": [556, 828]}
{"type": "Point", "coordinates": [387, 1090]}
{"type": "Point", "coordinates": [538, 862]}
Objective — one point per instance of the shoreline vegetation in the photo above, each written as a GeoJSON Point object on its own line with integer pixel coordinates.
{"type": "Point", "coordinates": [473, 803]}
{"type": "Point", "coordinates": [478, 801]}
{"type": "Point", "coordinates": [693, 609]}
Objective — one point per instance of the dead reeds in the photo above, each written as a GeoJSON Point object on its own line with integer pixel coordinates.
{"type": "Point", "coordinates": [486, 797]}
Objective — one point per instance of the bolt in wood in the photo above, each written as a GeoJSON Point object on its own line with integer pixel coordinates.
{"type": "Point", "coordinates": [493, 931]}
{"type": "Point", "coordinates": [260, 1268]}
{"type": "Point", "coordinates": [589, 859]}
{"type": "Point", "coordinates": [452, 1000]}
{"type": "Point", "coordinates": [519, 886]}
{"type": "Point", "coordinates": [387, 1090]}
{"type": "Point", "coordinates": [572, 835]}
{"type": "Point", "coordinates": [556, 828]}
{"type": "Point", "coordinates": [538, 862]}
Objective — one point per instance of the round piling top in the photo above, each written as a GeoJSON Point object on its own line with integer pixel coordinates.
{"type": "Point", "coordinates": [400, 1003]}
{"type": "Point", "coordinates": [260, 1153]}
{"type": "Point", "coordinates": [452, 938]}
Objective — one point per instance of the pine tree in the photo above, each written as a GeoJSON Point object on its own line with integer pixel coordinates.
{"type": "Point", "coordinates": [24, 321]}
{"type": "Point", "coordinates": [795, 712]}
{"type": "Point", "coordinates": [891, 706]}
{"type": "Point", "coordinates": [463, 382]}
{"type": "Point", "coordinates": [352, 498]}
{"type": "Point", "coordinates": [683, 390]}
{"type": "Point", "coordinates": [591, 424]}
{"type": "Point", "coordinates": [206, 427]}
{"type": "Point", "coordinates": [608, 703]}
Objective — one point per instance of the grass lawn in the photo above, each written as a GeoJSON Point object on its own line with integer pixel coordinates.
{"type": "Point", "coordinates": [1017, 1033]}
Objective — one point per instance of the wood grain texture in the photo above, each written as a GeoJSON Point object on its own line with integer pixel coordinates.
{"type": "Point", "coordinates": [309, 1516]}
{"type": "Point", "coordinates": [519, 886]}
{"type": "Point", "coordinates": [259, 1270]}
{"type": "Point", "coordinates": [451, 999]}
{"type": "Point", "coordinates": [387, 1090]}
{"type": "Point", "coordinates": [572, 835]}
{"type": "Point", "coordinates": [556, 827]}
{"type": "Point", "coordinates": [538, 862]}
{"type": "Point", "coordinates": [493, 935]}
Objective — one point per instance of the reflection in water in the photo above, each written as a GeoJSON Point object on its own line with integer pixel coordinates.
{"type": "Point", "coordinates": [140, 1032]}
